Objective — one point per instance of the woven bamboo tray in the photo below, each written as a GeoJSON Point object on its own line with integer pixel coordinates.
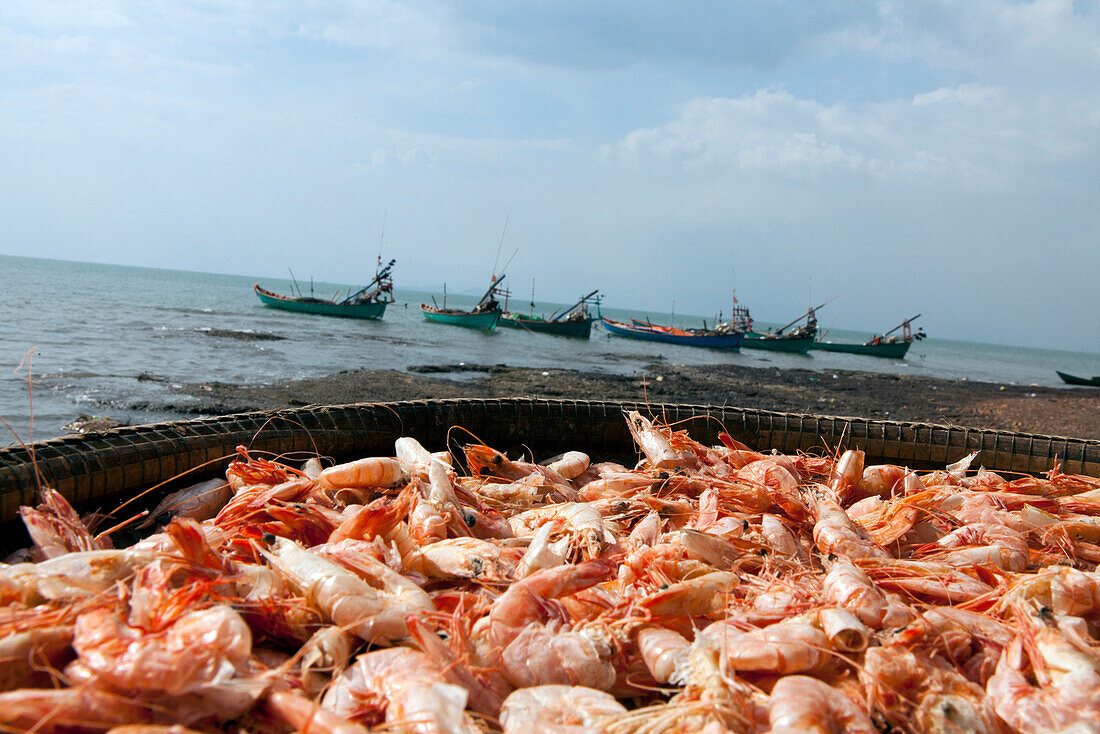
{"type": "Point", "coordinates": [95, 471]}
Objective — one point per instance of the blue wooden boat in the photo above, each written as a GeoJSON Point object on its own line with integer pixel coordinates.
{"type": "Point", "coordinates": [367, 303]}
{"type": "Point", "coordinates": [710, 338]}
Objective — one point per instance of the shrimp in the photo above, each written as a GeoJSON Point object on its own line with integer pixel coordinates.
{"type": "Point", "coordinates": [198, 648]}
{"type": "Point", "coordinates": [558, 709]}
{"type": "Point", "coordinates": [469, 558]}
{"type": "Point", "coordinates": [982, 543]}
{"type": "Point", "coordinates": [532, 653]}
{"type": "Point", "coordinates": [783, 483]}
{"type": "Point", "coordinates": [66, 710]}
{"type": "Point", "coordinates": [660, 650]}
{"type": "Point", "coordinates": [1068, 695]}
{"type": "Point", "coordinates": [802, 704]}
{"type": "Point", "coordinates": [487, 462]}
{"type": "Point", "coordinates": [787, 647]}
{"type": "Point", "coordinates": [880, 480]}
{"type": "Point", "coordinates": [370, 472]}
{"type": "Point", "coordinates": [55, 527]}
{"type": "Point", "coordinates": [579, 520]}
{"type": "Point", "coordinates": [200, 501]}
{"type": "Point", "coordinates": [373, 611]}
{"type": "Point", "coordinates": [413, 458]}
{"type": "Point", "coordinates": [571, 464]}
{"type": "Point", "coordinates": [68, 577]}
{"type": "Point", "coordinates": [849, 587]}
{"type": "Point", "coordinates": [541, 553]}
{"type": "Point", "coordinates": [924, 579]}
{"type": "Point", "coordinates": [693, 597]}
{"type": "Point", "coordinates": [405, 686]}
{"type": "Point", "coordinates": [324, 655]}
{"type": "Point", "coordinates": [27, 656]}
{"type": "Point", "coordinates": [306, 717]}
{"type": "Point", "coordinates": [1064, 590]}
{"type": "Point", "coordinates": [844, 631]}
{"type": "Point", "coordinates": [655, 445]}
{"type": "Point", "coordinates": [836, 534]}
{"type": "Point", "coordinates": [846, 475]}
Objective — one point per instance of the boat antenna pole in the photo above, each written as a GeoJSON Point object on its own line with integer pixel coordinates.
{"type": "Point", "coordinates": [507, 263]}
{"type": "Point", "coordinates": [295, 281]}
{"type": "Point", "coordinates": [567, 310]}
{"type": "Point", "coordinates": [381, 242]}
{"type": "Point", "coordinates": [493, 287]}
{"type": "Point", "coordinates": [903, 323]}
{"type": "Point", "coordinates": [497, 260]}
{"type": "Point", "coordinates": [782, 328]}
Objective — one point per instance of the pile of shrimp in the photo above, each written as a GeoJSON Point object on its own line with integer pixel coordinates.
{"type": "Point", "coordinates": [707, 589]}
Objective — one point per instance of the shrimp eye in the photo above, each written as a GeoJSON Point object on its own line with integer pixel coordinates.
{"type": "Point", "coordinates": [269, 538]}
{"type": "Point", "coordinates": [1045, 613]}
{"type": "Point", "coordinates": [745, 524]}
{"type": "Point", "coordinates": [663, 587]}
{"type": "Point", "coordinates": [763, 551]}
{"type": "Point", "coordinates": [831, 557]}
{"type": "Point", "coordinates": [470, 520]}
{"type": "Point", "coordinates": [498, 459]}
{"type": "Point", "coordinates": [164, 518]}
{"type": "Point", "coordinates": [662, 475]}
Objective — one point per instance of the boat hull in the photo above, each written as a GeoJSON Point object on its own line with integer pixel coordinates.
{"type": "Point", "coordinates": [370, 311]}
{"type": "Point", "coordinates": [486, 321]}
{"type": "Point", "coordinates": [730, 342]}
{"type": "Point", "coordinates": [800, 345]}
{"type": "Point", "coordinates": [1075, 380]}
{"type": "Point", "coordinates": [579, 329]}
{"type": "Point", "coordinates": [893, 350]}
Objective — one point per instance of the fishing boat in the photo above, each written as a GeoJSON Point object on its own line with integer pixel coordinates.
{"type": "Point", "coordinates": [484, 315]}
{"type": "Point", "coordinates": [797, 341]}
{"type": "Point", "coordinates": [573, 321]}
{"type": "Point", "coordinates": [887, 345]}
{"type": "Point", "coordinates": [367, 303]}
{"type": "Point", "coordinates": [710, 338]}
{"type": "Point", "coordinates": [1075, 380]}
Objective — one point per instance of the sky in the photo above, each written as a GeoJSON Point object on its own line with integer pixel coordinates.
{"type": "Point", "coordinates": [940, 156]}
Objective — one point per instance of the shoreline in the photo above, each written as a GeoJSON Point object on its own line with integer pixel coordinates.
{"type": "Point", "coordinates": [1073, 413]}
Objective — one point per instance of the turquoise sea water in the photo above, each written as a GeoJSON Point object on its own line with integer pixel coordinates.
{"type": "Point", "coordinates": [94, 329]}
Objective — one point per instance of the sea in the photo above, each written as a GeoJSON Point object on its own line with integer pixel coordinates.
{"type": "Point", "coordinates": [82, 339]}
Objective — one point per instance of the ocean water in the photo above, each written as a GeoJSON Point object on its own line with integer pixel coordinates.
{"type": "Point", "coordinates": [107, 340]}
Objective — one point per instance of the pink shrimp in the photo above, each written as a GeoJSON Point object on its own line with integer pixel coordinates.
{"type": "Point", "coordinates": [846, 475]}
{"type": "Point", "coordinates": [787, 647]}
{"type": "Point", "coordinates": [68, 710]}
{"type": "Point", "coordinates": [401, 686]}
{"type": "Point", "coordinates": [807, 706]}
{"type": "Point", "coordinates": [306, 717]}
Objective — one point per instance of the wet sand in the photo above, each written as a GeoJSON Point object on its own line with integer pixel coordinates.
{"type": "Point", "coordinates": [1052, 411]}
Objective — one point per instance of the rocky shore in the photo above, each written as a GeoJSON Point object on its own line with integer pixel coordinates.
{"type": "Point", "coordinates": [1051, 411]}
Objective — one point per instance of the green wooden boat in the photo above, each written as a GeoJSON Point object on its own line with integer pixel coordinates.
{"type": "Point", "coordinates": [790, 343]}
{"type": "Point", "coordinates": [883, 345]}
{"type": "Point", "coordinates": [1075, 380]}
{"type": "Point", "coordinates": [574, 321]}
{"type": "Point", "coordinates": [485, 315]}
{"type": "Point", "coordinates": [457, 317]}
{"type": "Point", "coordinates": [367, 303]}
{"type": "Point", "coordinates": [798, 341]}
{"type": "Point", "coordinates": [581, 328]}
{"type": "Point", "coordinates": [890, 350]}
